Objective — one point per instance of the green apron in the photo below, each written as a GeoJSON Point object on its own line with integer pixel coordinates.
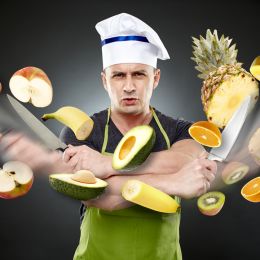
{"type": "Point", "coordinates": [134, 233]}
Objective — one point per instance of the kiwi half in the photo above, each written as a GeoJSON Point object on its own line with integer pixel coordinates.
{"type": "Point", "coordinates": [211, 203]}
{"type": "Point", "coordinates": [234, 172]}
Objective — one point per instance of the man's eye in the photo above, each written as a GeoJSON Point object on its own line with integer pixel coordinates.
{"type": "Point", "coordinates": [119, 75]}
{"type": "Point", "coordinates": [139, 74]}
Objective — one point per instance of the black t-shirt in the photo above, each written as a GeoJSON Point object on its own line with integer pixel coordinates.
{"type": "Point", "coordinates": [176, 129]}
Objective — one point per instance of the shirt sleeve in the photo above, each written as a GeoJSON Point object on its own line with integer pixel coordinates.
{"type": "Point", "coordinates": [182, 127]}
{"type": "Point", "coordinates": [68, 137]}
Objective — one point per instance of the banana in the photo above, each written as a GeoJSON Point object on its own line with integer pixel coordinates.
{"type": "Point", "coordinates": [255, 68]}
{"type": "Point", "coordinates": [78, 121]}
{"type": "Point", "coordinates": [149, 197]}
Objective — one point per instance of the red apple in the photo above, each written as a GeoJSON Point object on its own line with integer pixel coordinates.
{"type": "Point", "coordinates": [16, 179]}
{"type": "Point", "coordinates": [1, 87]}
{"type": "Point", "coordinates": [32, 85]}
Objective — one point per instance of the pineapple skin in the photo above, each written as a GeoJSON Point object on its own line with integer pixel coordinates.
{"type": "Point", "coordinates": [224, 90]}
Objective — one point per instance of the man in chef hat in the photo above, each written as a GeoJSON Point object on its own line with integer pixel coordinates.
{"type": "Point", "coordinates": [111, 227]}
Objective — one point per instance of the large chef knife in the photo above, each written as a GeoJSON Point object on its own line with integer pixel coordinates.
{"type": "Point", "coordinates": [231, 132]}
{"type": "Point", "coordinates": [14, 115]}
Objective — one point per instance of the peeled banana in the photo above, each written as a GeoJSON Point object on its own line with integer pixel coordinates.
{"type": "Point", "coordinates": [149, 197]}
{"type": "Point", "coordinates": [255, 68]}
{"type": "Point", "coordinates": [78, 121]}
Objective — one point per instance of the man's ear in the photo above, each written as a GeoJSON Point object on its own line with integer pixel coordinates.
{"type": "Point", "coordinates": [104, 80]}
{"type": "Point", "coordinates": [157, 76]}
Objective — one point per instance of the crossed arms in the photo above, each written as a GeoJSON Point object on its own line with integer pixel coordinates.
{"type": "Point", "coordinates": [183, 170]}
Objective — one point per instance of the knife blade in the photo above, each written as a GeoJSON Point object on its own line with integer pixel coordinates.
{"type": "Point", "coordinates": [14, 115]}
{"type": "Point", "coordinates": [231, 132]}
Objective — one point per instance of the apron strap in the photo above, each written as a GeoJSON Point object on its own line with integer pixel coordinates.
{"type": "Point", "coordinates": [161, 129]}
{"type": "Point", "coordinates": [104, 146]}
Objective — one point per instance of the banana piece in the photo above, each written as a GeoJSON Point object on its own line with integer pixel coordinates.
{"type": "Point", "coordinates": [255, 68]}
{"type": "Point", "coordinates": [149, 197]}
{"type": "Point", "coordinates": [78, 121]}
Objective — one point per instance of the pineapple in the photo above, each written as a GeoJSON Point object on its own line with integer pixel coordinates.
{"type": "Point", "coordinates": [226, 83]}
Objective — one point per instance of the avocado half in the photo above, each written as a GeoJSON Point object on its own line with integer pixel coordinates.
{"type": "Point", "coordinates": [134, 148]}
{"type": "Point", "coordinates": [63, 183]}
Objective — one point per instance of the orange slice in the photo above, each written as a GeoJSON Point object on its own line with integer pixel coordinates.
{"type": "Point", "coordinates": [251, 191]}
{"type": "Point", "coordinates": [206, 133]}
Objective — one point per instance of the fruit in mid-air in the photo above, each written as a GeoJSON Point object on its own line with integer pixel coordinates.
{"type": "Point", "coordinates": [251, 190]}
{"type": "Point", "coordinates": [16, 179]}
{"type": "Point", "coordinates": [234, 172]}
{"type": "Point", "coordinates": [226, 84]}
{"type": "Point", "coordinates": [254, 146]}
{"type": "Point", "coordinates": [31, 84]}
{"type": "Point", "coordinates": [211, 203]}
{"type": "Point", "coordinates": [134, 148]}
{"type": "Point", "coordinates": [66, 184]}
{"type": "Point", "coordinates": [1, 87]}
{"type": "Point", "coordinates": [206, 133]}
{"type": "Point", "coordinates": [255, 68]}
{"type": "Point", "coordinates": [77, 120]}
{"type": "Point", "coordinates": [149, 197]}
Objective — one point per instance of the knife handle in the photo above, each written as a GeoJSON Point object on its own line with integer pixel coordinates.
{"type": "Point", "coordinates": [61, 149]}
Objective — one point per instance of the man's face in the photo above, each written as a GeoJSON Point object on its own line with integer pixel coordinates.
{"type": "Point", "coordinates": [130, 86]}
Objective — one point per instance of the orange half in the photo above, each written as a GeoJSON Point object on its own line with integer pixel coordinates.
{"type": "Point", "coordinates": [206, 133]}
{"type": "Point", "coordinates": [251, 191]}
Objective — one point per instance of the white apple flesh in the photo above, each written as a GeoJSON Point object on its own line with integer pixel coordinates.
{"type": "Point", "coordinates": [16, 179]}
{"type": "Point", "coordinates": [31, 84]}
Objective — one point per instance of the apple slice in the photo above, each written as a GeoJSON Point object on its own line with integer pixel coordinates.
{"type": "Point", "coordinates": [32, 85]}
{"type": "Point", "coordinates": [16, 179]}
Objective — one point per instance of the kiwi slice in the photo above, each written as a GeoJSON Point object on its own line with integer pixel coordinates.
{"type": "Point", "coordinates": [211, 203]}
{"type": "Point", "coordinates": [234, 172]}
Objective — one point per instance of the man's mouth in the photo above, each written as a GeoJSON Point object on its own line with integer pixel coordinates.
{"type": "Point", "coordinates": [129, 101]}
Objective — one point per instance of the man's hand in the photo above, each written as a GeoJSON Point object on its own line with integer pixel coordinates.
{"type": "Point", "coordinates": [82, 157]}
{"type": "Point", "coordinates": [193, 179]}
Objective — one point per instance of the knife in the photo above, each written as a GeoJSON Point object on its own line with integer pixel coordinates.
{"type": "Point", "coordinates": [231, 132]}
{"type": "Point", "coordinates": [14, 115]}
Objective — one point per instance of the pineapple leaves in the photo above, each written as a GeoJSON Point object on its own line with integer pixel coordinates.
{"type": "Point", "coordinates": [211, 52]}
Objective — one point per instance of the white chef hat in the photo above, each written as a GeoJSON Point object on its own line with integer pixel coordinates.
{"type": "Point", "coordinates": [127, 39]}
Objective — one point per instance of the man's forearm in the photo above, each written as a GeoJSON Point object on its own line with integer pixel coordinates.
{"type": "Point", "coordinates": [165, 162]}
{"type": "Point", "coordinates": [160, 182]}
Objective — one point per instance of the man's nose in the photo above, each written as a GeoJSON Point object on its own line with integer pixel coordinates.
{"type": "Point", "coordinates": [129, 85]}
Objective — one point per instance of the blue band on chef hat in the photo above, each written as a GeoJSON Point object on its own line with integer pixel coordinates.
{"type": "Point", "coordinates": [124, 38]}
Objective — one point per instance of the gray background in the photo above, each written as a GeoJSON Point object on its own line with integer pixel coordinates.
{"type": "Point", "coordinates": [61, 39]}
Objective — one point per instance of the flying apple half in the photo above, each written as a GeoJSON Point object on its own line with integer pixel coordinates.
{"type": "Point", "coordinates": [31, 84]}
{"type": "Point", "coordinates": [16, 179]}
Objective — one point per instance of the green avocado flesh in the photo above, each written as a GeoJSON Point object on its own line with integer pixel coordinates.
{"type": "Point", "coordinates": [134, 148]}
{"type": "Point", "coordinates": [63, 183]}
